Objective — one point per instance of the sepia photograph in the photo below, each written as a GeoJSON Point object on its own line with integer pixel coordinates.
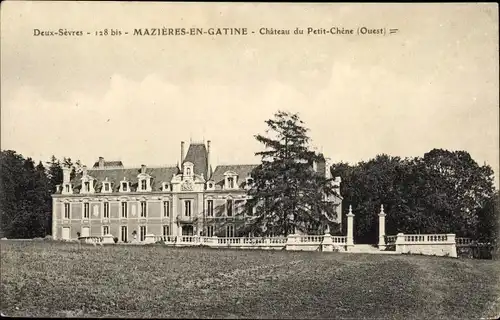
{"type": "Point", "coordinates": [249, 160]}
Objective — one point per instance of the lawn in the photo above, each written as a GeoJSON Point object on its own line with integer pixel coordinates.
{"type": "Point", "coordinates": [52, 279]}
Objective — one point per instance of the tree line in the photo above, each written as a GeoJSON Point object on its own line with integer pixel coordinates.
{"type": "Point", "coordinates": [25, 193]}
{"type": "Point", "coordinates": [441, 192]}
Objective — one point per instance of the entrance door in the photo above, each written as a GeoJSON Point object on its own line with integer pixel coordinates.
{"type": "Point", "coordinates": [187, 230]}
{"type": "Point", "coordinates": [65, 233]}
{"type": "Point", "coordinates": [85, 232]}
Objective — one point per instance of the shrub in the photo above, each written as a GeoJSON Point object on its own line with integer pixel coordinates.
{"type": "Point", "coordinates": [48, 237]}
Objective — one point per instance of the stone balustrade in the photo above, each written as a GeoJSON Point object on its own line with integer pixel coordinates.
{"type": "Point", "coordinates": [427, 244]}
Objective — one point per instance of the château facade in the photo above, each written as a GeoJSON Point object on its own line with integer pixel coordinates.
{"type": "Point", "coordinates": [186, 199]}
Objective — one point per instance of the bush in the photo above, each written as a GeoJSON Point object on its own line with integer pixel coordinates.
{"type": "Point", "coordinates": [115, 239]}
{"type": "Point", "coordinates": [48, 237]}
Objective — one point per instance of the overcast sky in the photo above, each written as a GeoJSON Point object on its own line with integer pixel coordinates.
{"type": "Point", "coordinates": [434, 84]}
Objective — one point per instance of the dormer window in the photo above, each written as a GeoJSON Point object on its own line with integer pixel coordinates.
{"type": "Point", "coordinates": [249, 182]}
{"type": "Point", "coordinates": [231, 180]}
{"type": "Point", "coordinates": [86, 186]}
{"type": "Point", "coordinates": [210, 186]}
{"type": "Point", "coordinates": [106, 186]}
{"type": "Point", "coordinates": [67, 188]}
{"type": "Point", "coordinates": [144, 180]}
{"type": "Point", "coordinates": [124, 186]}
{"type": "Point", "coordinates": [165, 186]}
{"type": "Point", "coordinates": [188, 169]}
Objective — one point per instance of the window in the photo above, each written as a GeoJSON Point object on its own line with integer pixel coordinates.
{"type": "Point", "coordinates": [123, 232]}
{"type": "Point", "coordinates": [142, 233]}
{"type": "Point", "coordinates": [105, 230]}
{"type": "Point", "coordinates": [210, 231]}
{"type": "Point", "coordinates": [166, 230]}
{"type": "Point", "coordinates": [124, 186]}
{"type": "Point", "coordinates": [187, 208]}
{"type": "Point", "coordinates": [144, 209]}
{"type": "Point", "coordinates": [106, 210]}
{"type": "Point", "coordinates": [230, 182]}
{"type": "Point", "coordinates": [143, 185]}
{"type": "Point", "coordinates": [106, 186]}
{"type": "Point", "coordinates": [86, 210]}
{"type": "Point", "coordinates": [210, 208]}
{"type": "Point", "coordinates": [86, 185]}
{"type": "Point", "coordinates": [188, 171]}
{"type": "Point", "coordinates": [166, 208]}
{"type": "Point", "coordinates": [66, 211]}
{"type": "Point", "coordinates": [230, 231]}
{"type": "Point", "coordinates": [124, 209]}
{"type": "Point", "coordinates": [67, 188]}
{"type": "Point", "coordinates": [229, 208]}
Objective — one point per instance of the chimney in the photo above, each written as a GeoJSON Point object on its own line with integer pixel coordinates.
{"type": "Point", "coordinates": [182, 152]}
{"type": "Point", "coordinates": [101, 162]}
{"type": "Point", "coordinates": [143, 168]}
{"type": "Point", "coordinates": [208, 160]}
{"type": "Point", "coordinates": [66, 174]}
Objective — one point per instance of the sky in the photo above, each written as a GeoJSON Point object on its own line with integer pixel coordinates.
{"type": "Point", "coordinates": [432, 84]}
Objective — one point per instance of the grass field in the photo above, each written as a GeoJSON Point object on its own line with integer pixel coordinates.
{"type": "Point", "coordinates": [51, 279]}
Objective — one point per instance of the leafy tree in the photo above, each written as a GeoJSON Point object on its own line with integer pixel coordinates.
{"type": "Point", "coordinates": [287, 193]}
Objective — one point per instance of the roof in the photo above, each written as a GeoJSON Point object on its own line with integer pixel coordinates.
{"type": "Point", "coordinates": [109, 164]}
{"type": "Point", "coordinates": [242, 170]}
{"type": "Point", "coordinates": [198, 155]}
{"type": "Point", "coordinates": [159, 175]}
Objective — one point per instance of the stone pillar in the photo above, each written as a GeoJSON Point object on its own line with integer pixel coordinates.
{"type": "Point", "coordinates": [381, 228]}
{"type": "Point", "coordinates": [291, 242]}
{"type": "Point", "coordinates": [108, 239]}
{"type": "Point", "coordinates": [150, 238]}
{"type": "Point", "coordinates": [350, 221]}
{"type": "Point", "coordinates": [453, 245]}
{"type": "Point", "coordinates": [400, 243]}
{"type": "Point", "coordinates": [327, 243]}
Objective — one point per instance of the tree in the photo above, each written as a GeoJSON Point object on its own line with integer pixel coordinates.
{"type": "Point", "coordinates": [286, 192]}
{"type": "Point", "coordinates": [55, 173]}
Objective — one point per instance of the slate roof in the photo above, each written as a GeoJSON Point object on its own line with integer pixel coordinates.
{"type": "Point", "coordinates": [198, 155]}
{"type": "Point", "coordinates": [242, 170]}
{"type": "Point", "coordinates": [115, 176]}
{"type": "Point", "coordinates": [108, 164]}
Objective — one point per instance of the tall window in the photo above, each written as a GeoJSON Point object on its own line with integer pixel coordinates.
{"type": "Point", "coordinates": [124, 232]}
{"type": "Point", "coordinates": [105, 230]}
{"type": "Point", "coordinates": [67, 188]}
{"type": "Point", "coordinates": [166, 208]}
{"type": "Point", "coordinates": [124, 186]}
{"type": "Point", "coordinates": [230, 231]}
{"type": "Point", "coordinates": [210, 208]}
{"type": "Point", "coordinates": [166, 230]}
{"type": "Point", "coordinates": [86, 210]}
{"type": "Point", "coordinates": [187, 208]}
{"type": "Point", "coordinates": [230, 182]}
{"type": "Point", "coordinates": [143, 185]}
{"type": "Point", "coordinates": [210, 231]}
{"type": "Point", "coordinates": [124, 209]}
{"type": "Point", "coordinates": [229, 207]}
{"type": "Point", "coordinates": [86, 186]}
{"type": "Point", "coordinates": [144, 209]}
{"type": "Point", "coordinates": [66, 211]}
{"type": "Point", "coordinates": [106, 210]}
{"type": "Point", "coordinates": [143, 233]}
